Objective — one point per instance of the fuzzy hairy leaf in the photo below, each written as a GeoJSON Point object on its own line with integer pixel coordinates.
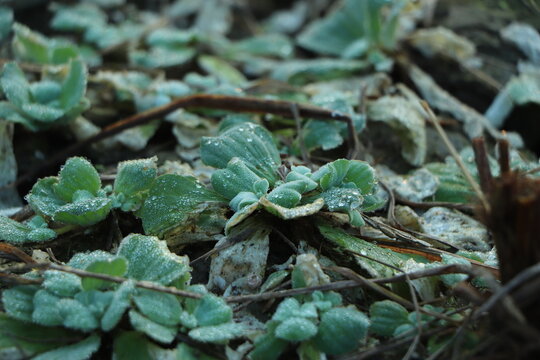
{"type": "Point", "coordinates": [159, 307]}
{"type": "Point", "coordinates": [218, 334]}
{"type": "Point", "coordinates": [386, 316]}
{"type": "Point", "coordinates": [249, 142]}
{"type": "Point", "coordinates": [150, 259]}
{"type": "Point", "coordinates": [212, 310]}
{"type": "Point", "coordinates": [162, 333]}
{"type": "Point", "coordinates": [341, 330]}
{"type": "Point", "coordinates": [170, 200]}
{"type": "Point", "coordinates": [116, 267]}
{"type": "Point", "coordinates": [296, 329]}
{"type": "Point", "coordinates": [78, 351]}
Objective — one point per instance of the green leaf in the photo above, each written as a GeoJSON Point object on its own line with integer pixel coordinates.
{"type": "Point", "coordinates": [27, 339]}
{"type": "Point", "coordinates": [222, 70]}
{"type": "Point", "coordinates": [77, 174]}
{"type": "Point", "coordinates": [235, 178]}
{"type": "Point", "coordinates": [286, 309]}
{"type": "Point", "coordinates": [159, 307]}
{"type": "Point", "coordinates": [341, 330]}
{"type": "Point", "coordinates": [218, 334]}
{"type": "Point", "coordinates": [276, 45]}
{"type": "Point", "coordinates": [78, 351]}
{"type": "Point", "coordinates": [119, 304]}
{"type": "Point", "coordinates": [300, 72]}
{"type": "Point", "coordinates": [171, 199]}
{"type": "Point", "coordinates": [134, 177]}
{"type": "Point", "coordinates": [61, 283]}
{"type": "Point", "coordinates": [386, 316]}
{"type": "Point", "coordinates": [46, 311]}
{"type": "Point", "coordinates": [84, 213]}
{"type": "Point", "coordinates": [15, 85]}
{"type": "Point", "coordinates": [323, 134]}
{"type": "Point", "coordinates": [43, 199]}
{"type": "Point", "coordinates": [74, 85]}
{"type": "Point", "coordinates": [29, 45]}
{"type": "Point", "coordinates": [18, 301]}
{"type": "Point", "coordinates": [131, 345]}
{"type": "Point", "coordinates": [96, 301]}
{"type": "Point", "coordinates": [268, 346]}
{"type": "Point", "coordinates": [116, 267]}
{"type": "Point", "coordinates": [296, 329]}
{"type": "Point", "coordinates": [249, 142]}
{"type": "Point", "coordinates": [12, 231]}
{"type": "Point", "coordinates": [158, 332]}
{"type": "Point", "coordinates": [212, 310]}
{"type": "Point", "coordinates": [150, 259]}
{"type": "Point", "coordinates": [76, 316]}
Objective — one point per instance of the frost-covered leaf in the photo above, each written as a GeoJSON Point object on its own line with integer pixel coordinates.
{"type": "Point", "coordinates": [212, 310]}
{"type": "Point", "coordinates": [171, 199]}
{"type": "Point", "coordinates": [162, 333]}
{"type": "Point", "coordinates": [159, 307]}
{"type": "Point", "coordinates": [78, 351]}
{"type": "Point", "coordinates": [134, 176]}
{"type": "Point", "coordinates": [268, 346]}
{"type": "Point", "coordinates": [116, 267]}
{"type": "Point", "coordinates": [218, 334]}
{"type": "Point", "coordinates": [296, 329]}
{"type": "Point", "coordinates": [308, 272]}
{"type": "Point", "coordinates": [150, 259]}
{"type": "Point", "coordinates": [12, 231]}
{"type": "Point", "coordinates": [18, 301]}
{"type": "Point", "coordinates": [14, 84]}
{"type": "Point", "coordinates": [237, 177]}
{"type": "Point", "coordinates": [341, 330]}
{"type": "Point", "coordinates": [275, 45]}
{"type": "Point", "coordinates": [249, 142]}
{"type": "Point", "coordinates": [96, 301]}
{"type": "Point", "coordinates": [119, 304]}
{"type": "Point", "coordinates": [74, 85]}
{"type": "Point", "coordinates": [159, 57]}
{"type": "Point", "coordinates": [43, 199]}
{"type": "Point", "coordinates": [404, 118]}
{"type": "Point", "coordinates": [76, 316]}
{"type": "Point", "coordinates": [77, 174]}
{"type": "Point", "coordinates": [61, 283]}
{"type": "Point", "coordinates": [46, 311]}
{"type": "Point", "coordinates": [386, 316]}
{"type": "Point", "coordinates": [323, 134]}
{"type": "Point", "coordinates": [84, 213]}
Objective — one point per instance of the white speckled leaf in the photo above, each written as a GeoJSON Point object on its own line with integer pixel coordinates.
{"type": "Point", "coordinates": [249, 142]}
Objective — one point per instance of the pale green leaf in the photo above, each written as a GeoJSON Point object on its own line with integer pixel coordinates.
{"type": "Point", "coordinates": [116, 267]}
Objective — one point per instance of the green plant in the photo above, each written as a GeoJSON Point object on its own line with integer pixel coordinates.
{"type": "Point", "coordinates": [358, 28]}
{"type": "Point", "coordinates": [247, 177]}
{"type": "Point", "coordinates": [55, 100]}
{"type": "Point", "coordinates": [318, 323]}
{"type": "Point", "coordinates": [75, 198]}
{"type": "Point", "coordinates": [90, 307]}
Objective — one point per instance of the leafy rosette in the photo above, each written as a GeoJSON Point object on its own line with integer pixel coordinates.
{"type": "Point", "coordinates": [33, 230]}
{"type": "Point", "coordinates": [57, 99]}
{"type": "Point", "coordinates": [73, 197]}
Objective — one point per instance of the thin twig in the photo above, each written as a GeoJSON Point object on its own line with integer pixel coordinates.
{"type": "Point", "coordinates": [300, 132]}
{"type": "Point", "coordinates": [208, 101]}
{"type": "Point", "coordinates": [455, 155]}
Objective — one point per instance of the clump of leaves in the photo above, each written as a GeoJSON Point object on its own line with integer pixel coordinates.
{"type": "Point", "coordinates": [55, 100]}
{"type": "Point", "coordinates": [358, 28]}
{"type": "Point", "coordinates": [318, 322]}
{"type": "Point", "coordinates": [75, 197]}
{"type": "Point", "coordinates": [89, 307]}
{"type": "Point", "coordinates": [247, 177]}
